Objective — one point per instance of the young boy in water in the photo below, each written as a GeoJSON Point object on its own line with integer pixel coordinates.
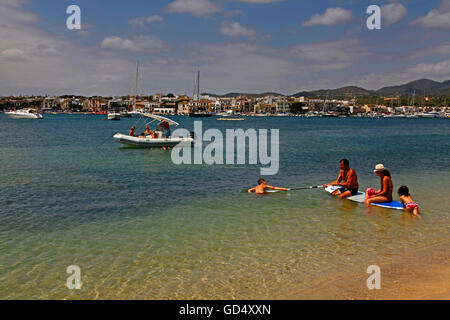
{"type": "Point", "coordinates": [407, 201]}
{"type": "Point", "coordinates": [262, 186]}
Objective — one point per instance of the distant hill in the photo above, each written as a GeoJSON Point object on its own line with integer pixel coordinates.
{"type": "Point", "coordinates": [419, 86]}
{"type": "Point", "coordinates": [431, 88]}
{"type": "Point", "coordinates": [250, 95]}
{"type": "Point", "coordinates": [350, 91]}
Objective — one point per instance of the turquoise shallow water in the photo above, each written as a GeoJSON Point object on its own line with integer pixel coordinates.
{"type": "Point", "coordinates": [140, 227]}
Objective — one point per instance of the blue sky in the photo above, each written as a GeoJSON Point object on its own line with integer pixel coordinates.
{"type": "Point", "coordinates": [239, 45]}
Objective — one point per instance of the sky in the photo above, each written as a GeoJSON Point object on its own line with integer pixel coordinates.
{"type": "Point", "coordinates": [256, 46]}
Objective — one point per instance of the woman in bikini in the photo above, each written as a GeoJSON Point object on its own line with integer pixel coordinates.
{"type": "Point", "coordinates": [385, 193]}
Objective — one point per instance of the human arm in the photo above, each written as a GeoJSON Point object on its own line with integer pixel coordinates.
{"type": "Point", "coordinates": [276, 188]}
{"type": "Point", "coordinates": [384, 188]}
{"type": "Point", "coordinates": [335, 182]}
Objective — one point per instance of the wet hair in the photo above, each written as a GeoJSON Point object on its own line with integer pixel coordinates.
{"type": "Point", "coordinates": [403, 191]}
{"type": "Point", "coordinates": [385, 173]}
{"type": "Point", "coordinates": [260, 181]}
{"type": "Point", "coordinates": [345, 162]}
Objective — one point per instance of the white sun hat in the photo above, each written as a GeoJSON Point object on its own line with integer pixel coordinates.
{"type": "Point", "coordinates": [379, 167]}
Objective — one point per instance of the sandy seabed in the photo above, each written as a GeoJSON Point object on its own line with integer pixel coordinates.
{"type": "Point", "coordinates": [422, 274]}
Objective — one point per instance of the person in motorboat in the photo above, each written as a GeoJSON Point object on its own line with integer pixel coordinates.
{"type": "Point", "coordinates": [385, 192]}
{"type": "Point", "coordinates": [159, 129]}
{"type": "Point", "coordinates": [147, 132]}
{"type": "Point", "coordinates": [131, 133]}
{"type": "Point", "coordinates": [166, 128]}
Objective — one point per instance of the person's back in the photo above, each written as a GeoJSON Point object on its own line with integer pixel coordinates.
{"type": "Point", "coordinates": [262, 186]}
{"type": "Point", "coordinates": [387, 186]}
{"type": "Point", "coordinates": [407, 201]}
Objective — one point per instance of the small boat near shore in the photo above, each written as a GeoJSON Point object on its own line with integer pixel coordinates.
{"type": "Point", "coordinates": [114, 116]}
{"type": "Point", "coordinates": [230, 119]}
{"type": "Point", "coordinates": [24, 114]}
{"type": "Point", "coordinates": [200, 114]}
{"type": "Point", "coordinates": [157, 142]}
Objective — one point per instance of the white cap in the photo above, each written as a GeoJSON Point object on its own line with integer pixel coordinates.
{"type": "Point", "coordinates": [379, 167]}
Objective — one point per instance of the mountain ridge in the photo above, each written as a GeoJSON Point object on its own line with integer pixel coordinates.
{"type": "Point", "coordinates": [420, 87]}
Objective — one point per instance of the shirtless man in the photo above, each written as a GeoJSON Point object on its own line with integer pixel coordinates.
{"type": "Point", "coordinates": [262, 186]}
{"type": "Point", "coordinates": [347, 179]}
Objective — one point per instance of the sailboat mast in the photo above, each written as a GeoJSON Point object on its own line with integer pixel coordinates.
{"type": "Point", "coordinates": [136, 87]}
{"type": "Point", "coordinates": [198, 86]}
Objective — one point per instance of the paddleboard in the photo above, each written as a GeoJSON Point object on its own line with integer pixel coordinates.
{"type": "Point", "coordinates": [360, 197]}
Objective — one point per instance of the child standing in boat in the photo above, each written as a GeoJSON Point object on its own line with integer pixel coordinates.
{"type": "Point", "coordinates": [407, 201]}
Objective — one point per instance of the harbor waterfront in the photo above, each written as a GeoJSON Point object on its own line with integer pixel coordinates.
{"type": "Point", "coordinates": [141, 227]}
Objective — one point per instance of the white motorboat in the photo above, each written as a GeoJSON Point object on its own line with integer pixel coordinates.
{"type": "Point", "coordinates": [154, 142]}
{"type": "Point", "coordinates": [114, 115]}
{"type": "Point", "coordinates": [24, 114]}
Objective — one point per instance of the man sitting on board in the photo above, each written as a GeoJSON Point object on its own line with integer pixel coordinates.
{"type": "Point", "coordinates": [262, 186]}
{"type": "Point", "coordinates": [347, 180]}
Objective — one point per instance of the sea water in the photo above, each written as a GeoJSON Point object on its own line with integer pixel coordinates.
{"type": "Point", "coordinates": [139, 226]}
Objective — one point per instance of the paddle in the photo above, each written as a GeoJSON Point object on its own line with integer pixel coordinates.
{"type": "Point", "coordinates": [305, 188]}
{"type": "Point", "coordinates": [295, 189]}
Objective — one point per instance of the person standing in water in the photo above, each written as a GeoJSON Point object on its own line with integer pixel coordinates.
{"type": "Point", "coordinates": [347, 180]}
{"type": "Point", "coordinates": [384, 194]}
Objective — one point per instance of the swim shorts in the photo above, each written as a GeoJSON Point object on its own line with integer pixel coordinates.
{"type": "Point", "coordinates": [354, 191]}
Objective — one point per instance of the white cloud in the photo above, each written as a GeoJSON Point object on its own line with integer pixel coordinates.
{"type": "Point", "coordinates": [432, 69]}
{"type": "Point", "coordinates": [13, 54]}
{"type": "Point", "coordinates": [330, 54]}
{"type": "Point", "coordinates": [137, 43]}
{"type": "Point", "coordinates": [392, 13]}
{"type": "Point", "coordinates": [199, 8]}
{"type": "Point", "coordinates": [445, 6]}
{"type": "Point", "coordinates": [439, 71]}
{"type": "Point", "coordinates": [259, 1]}
{"type": "Point", "coordinates": [14, 3]}
{"type": "Point", "coordinates": [235, 29]}
{"type": "Point", "coordinates": [443, 49]}
{"type": "Point", "coordinates": [331, 17]}
{"type": "Point", "coordinates": [436, 18]}
{"type": "Point", "coordinates": [142, 21]}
